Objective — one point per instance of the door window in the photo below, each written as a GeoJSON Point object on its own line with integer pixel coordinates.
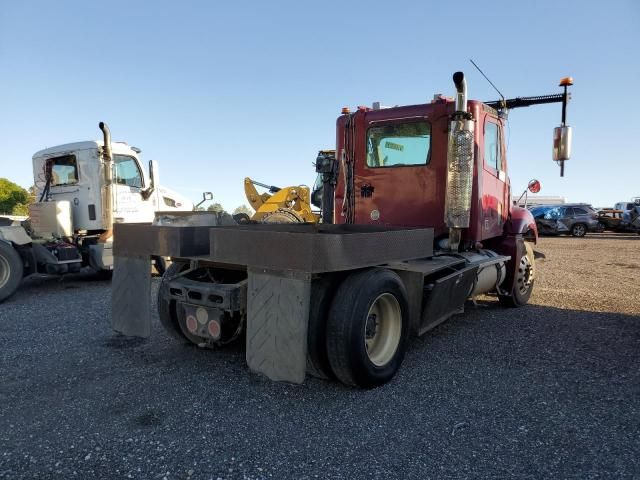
{"type": "Point", "coordinates": [399, 145]}
{"type": "Point", "coordinates": [127, 171]}
{"type": "Point", "coordinates": [555, 213]}
{"type": "Point", "coordinates": [492, 148]}
{"type": "Point", "coordinates": [579, 211]}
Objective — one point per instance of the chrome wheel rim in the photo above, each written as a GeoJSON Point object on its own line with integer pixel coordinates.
{"type": "Point", "coordinates": [383, 329]}
{"type": "Point", "coordinates": [525, 272]}
{"type": "Point", "coordinates": [579, 230]}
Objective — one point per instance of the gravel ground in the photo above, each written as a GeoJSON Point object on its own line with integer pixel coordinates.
{"type": "Point", "coordinates": [551, 390]}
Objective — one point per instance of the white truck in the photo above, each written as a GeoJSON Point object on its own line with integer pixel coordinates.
{"type": "Point", "coordinates": [82, 190]}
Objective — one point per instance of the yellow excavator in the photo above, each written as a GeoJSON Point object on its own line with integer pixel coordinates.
{"type": "Point", "coordinates": [290, 204]}
{"type": "Point", "coordinates": [280, 205]}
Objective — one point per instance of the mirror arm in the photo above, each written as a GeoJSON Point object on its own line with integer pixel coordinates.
{"type": "Point", "coordinates": [206, 196]}
{"type": "Point", "coordinates": [146, 193]}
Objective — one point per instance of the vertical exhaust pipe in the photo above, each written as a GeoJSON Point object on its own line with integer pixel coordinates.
{"type": "Point", "coordinates": [107, 191]}
{"type": "Point", "coordinates": [459, 165]}
{"type": "Point", "coordinates": [461, 92]}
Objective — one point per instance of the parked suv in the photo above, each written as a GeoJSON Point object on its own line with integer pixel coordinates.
{"type": "Point", "coordinates": [575, 219]}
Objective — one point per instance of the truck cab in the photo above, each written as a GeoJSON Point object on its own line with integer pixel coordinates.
{"type": "Point", "coordinates": [399, 169]}
{"type": "Point", "coordinates": [82, 189]}
{"type": "Point", "coordinates": [76, 176]}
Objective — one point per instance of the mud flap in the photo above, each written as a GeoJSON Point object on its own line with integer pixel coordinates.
{"type": "Point", "coordinates": [130, 295]}
{"type": "Point", "coordinates": [277, 323]}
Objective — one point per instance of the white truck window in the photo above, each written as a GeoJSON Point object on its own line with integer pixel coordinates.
{"type": "Point", "coordinates": [127, 171]}
{"type": "Point", "coordinates": [64, 170]}
{"type": "Point", "coordinates": [492, 149]}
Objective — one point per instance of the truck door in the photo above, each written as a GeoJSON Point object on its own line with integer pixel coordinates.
{"type": "Point", "coordinates": [128, 184]}
{"type": "Point", "coordinates": [394, 184]}
{"type": "Point", "coordinates": [494, 177]}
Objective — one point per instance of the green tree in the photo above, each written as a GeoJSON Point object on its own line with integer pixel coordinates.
{"type": "Point", "coordinates": [243, 209]}
{"type": "Point", "coordinates": [13, 198]}
{"type": "Point", "coordinates": [216, 207]}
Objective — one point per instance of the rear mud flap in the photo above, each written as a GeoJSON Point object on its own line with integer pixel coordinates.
{"type": "Point", "coordinates": [446, 297]}
{"type": "Point", "coordinates": [130, 295]}
{"type": "Point", "coordinates": [277, 321]}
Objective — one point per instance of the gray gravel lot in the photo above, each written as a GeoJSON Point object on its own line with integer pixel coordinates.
{"type": "Point", "coordinates": [551, 390]}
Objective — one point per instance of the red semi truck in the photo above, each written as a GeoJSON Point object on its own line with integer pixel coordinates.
{"type": "Point", "coordinates": [417, 217]}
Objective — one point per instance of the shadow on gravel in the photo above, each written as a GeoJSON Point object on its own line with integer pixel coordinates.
{"type": "Point", "coordinates": [537, 336]}
{"type": "Point", "coordinates": [41, 283]}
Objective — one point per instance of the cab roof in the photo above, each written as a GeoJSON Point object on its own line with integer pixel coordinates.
{"type": "Point", "coordinates": [116, 147]}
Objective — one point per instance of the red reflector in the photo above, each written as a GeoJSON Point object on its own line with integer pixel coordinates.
{"type": "Point", "coordinates": [192, 323]}
{"type": "Point", "coordinates": [214, 329]}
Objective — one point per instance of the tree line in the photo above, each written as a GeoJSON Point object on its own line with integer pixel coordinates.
{"type": "Point", "coordinates": [15, 200]}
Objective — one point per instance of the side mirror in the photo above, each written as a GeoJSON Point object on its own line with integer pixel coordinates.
{"type": "Point", "coordinates": [206, 196]}
{"type": "Point", "coordinates": [534, 186]}
{"type": "Point", "coordinates": [561, 143]}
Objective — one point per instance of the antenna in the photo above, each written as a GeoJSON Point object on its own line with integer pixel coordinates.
{"type": "Point", "coordinates": [504, 105]}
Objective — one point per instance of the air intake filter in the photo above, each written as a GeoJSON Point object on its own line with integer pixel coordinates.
{"type": "Point", "coordinates": [459, 173]}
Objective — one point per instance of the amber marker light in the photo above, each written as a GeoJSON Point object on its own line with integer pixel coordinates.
{"type": "Point", "coordinates": [345, 110]}
{"type": "Point", "coordinates": [566, 81]}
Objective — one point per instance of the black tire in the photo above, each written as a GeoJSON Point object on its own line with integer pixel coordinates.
{"type": "Point", "coordinates": [167, 308]}
{"type": "Point", "coordinates": [160, 264]}
{"type": "Point", "coordinates": [348, 327]}
{"type": "Point", "coordinates": [579, 230]}
{"type": "Point", "coordinates": [524, 282]}
{"type": "Point", "coordinates": [601, 227]}
{"type": "Point", "coordinates": [317, 358]}
{"type": "Point", "coordinates": [11, 270]}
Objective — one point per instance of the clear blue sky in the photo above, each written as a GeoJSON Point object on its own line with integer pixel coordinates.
{"type": "Point", "coordinates": [218, 90]}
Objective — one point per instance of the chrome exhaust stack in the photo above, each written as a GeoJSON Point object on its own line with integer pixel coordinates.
{"type": "Point", "coordinates": [459, 165]}
{"type": "Point", "coordinates": [107, 190]}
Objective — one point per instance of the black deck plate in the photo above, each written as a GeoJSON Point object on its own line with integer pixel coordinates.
{"type": "Point", "coordinates": [302, 247]}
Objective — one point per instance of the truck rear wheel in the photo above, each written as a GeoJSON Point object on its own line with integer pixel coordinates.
{"type": "Point", "coordinates": [367, 328]}
{"type": "Point", "coordinates": [11, 270]}
{"type": "Point", "coordinates": [317, 359]}
{"type": "Point", "coordinates": [167, 307]}
{"type": "Point", "coordinates": [525, 277]}
{"type": "Point", "coordinates": [160, 264]}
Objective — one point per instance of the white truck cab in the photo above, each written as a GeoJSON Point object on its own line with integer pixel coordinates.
{"type": "Point", "coordinates": [82, 189]}
{"type": "Point", "coordinates": [76, 176]}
